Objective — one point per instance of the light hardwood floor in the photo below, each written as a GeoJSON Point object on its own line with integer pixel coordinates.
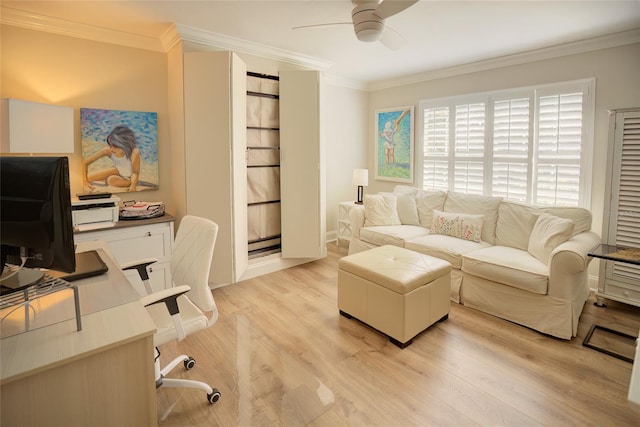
{"type": "Point", "coordinates": [281, 355]}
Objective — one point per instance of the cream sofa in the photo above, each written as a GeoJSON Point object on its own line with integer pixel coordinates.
{"type": "Point", "coordinates": [522, 263]}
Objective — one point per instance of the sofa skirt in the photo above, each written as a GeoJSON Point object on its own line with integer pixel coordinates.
{"type": "Point", "coordinates": [543, 313]}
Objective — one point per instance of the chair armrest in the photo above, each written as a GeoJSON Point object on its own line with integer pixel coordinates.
{"type": "Point", "coordinates": [568, 264]}
{"type": "Point", "coordinates": [140, 265]}
{"type": "Point", "coordinates": [356, 216]}
{"type": "Point", "coordinates": [170, 298]}
{"type": "Point", "coordinates": [165, 295]}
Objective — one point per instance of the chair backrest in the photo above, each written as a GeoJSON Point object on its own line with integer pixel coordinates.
{"type": "Point", "coordinates": [191, 259]}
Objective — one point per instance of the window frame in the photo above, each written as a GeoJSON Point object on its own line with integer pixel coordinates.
{"type": "Point", "coordinates": [533, 93]}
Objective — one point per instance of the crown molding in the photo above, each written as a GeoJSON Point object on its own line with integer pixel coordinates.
{"type": "Point", "coordinates": [557, 51]}
{"type": "Point", "coordinates": [170, 38]}
{"type": "Point", "coordinates": [336, 80]}
{"type": "Point", "coordinates": [221, 41]}
{"type": "Point", "coordinates": [176, 33]}
{"type": "Point", "coordinates": [32, 21]}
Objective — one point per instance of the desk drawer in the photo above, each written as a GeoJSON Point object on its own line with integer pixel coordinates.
{"type": "Point", "coordinates": [132, 246]}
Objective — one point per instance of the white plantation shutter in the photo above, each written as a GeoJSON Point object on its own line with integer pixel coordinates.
{"type": "Point", "coordinates": [469, 126]}
{"type": "Point", "coordinates": [436, 148]}
{"type": "Point", "coordinates": [627, 195]}
{"type": "Point", "coordinates": [469, 140]}
{"type": "Point", "coordinates": [468, 177]}
{"type": "Point", "coordinates": [530, 145]}
{"type": "Point", "coordinates": [559, 144]}
{"type": "Point", "coordinates": [510, 181]}
{"type": "Point", "coordinates": [511, 149]}
{"type": "Point", "coordinates": [624, 210]}
{"type": "Point", "coordinates": [436, 175]}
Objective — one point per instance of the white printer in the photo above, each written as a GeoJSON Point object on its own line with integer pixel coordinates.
{"type": "Point", "coordinates": [95, 213]}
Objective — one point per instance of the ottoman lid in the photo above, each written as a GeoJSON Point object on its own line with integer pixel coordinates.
{"type": "Point", "coordinates": [395, 268]}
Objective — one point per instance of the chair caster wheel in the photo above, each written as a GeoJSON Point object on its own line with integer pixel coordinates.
{"type": "Point", "coordinates": [189, 363]}
{"type": "Point", "coordinates": [214, 396]}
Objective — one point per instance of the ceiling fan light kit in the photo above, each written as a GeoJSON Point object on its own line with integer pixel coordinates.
{"type": "Point", "coordinates": [367, 18]}
{"type": "Point", "coordinates": [366, 24]}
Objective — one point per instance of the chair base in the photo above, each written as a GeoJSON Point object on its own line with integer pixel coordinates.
{"type": "Point", "coordinates": [161, 381]}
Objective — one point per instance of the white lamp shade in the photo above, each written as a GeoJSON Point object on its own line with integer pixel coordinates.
{"type": "Point", "coordinates": [361, 177]}
{"type": "Point", "coordinates": [32, 127]}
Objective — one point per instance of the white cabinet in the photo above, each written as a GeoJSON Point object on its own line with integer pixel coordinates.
{"type": "Point", "coordinates": [135, 240]}
{"type": "Point", "coordinates": [302, 165]}
{"type": "Point", "coordinates": [344, 223]}
{"type": "Point", "coordinates": [215, 167]}
{"type": "Point", "coordinates": [215, 93]}
{"type": "Point", "coordinates": [621, 281]}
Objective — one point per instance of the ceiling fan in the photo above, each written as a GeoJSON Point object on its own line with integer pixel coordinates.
{"type": "Point", "coordinates": [368, 18]}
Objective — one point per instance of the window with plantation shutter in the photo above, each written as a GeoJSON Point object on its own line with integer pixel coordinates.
{"type": "Point", "coordinates": [620, 281]}
{"type": "Point", "coordinates": [436, 148]}
{"type": "Point", "coordinates": [511, 149]}
{"type": "Point", "coordinates": [530, 145]}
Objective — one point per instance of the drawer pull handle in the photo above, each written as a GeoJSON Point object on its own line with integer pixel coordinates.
{"type": "Point", "coordinates": [148, 234]}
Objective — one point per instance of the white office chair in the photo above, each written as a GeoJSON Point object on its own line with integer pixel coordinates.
{"type": "Point", "coordinates": [184, 306]}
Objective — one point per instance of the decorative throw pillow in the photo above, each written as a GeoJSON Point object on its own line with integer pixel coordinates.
{"type": "Point", "coordinates": [380, 209]}
{"type": "Point", "coordinates": [407, 210]}
{"type": "Point", "coordinates": [467, 227]}
{"type": "Point", "coordinates": [548, 232]}
{"type": "Point", "coordinates": [471, 227]}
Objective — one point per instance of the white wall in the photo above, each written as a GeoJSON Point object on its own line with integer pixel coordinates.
{"type": "Point", "coordinates": [345, 132]}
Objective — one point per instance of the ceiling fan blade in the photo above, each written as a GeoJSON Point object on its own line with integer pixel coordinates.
{"type": "Point", "coordinates": [392, 39]}
{"type": "Point", "coordinates": [331, 24]}
{"type": "Point", "coordinates": [390, 7]}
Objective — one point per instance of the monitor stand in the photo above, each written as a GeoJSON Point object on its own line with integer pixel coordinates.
{"type": "Point", "coordinates": [23, 278]}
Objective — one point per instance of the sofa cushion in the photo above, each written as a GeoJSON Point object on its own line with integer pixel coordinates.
{"type": "Point", "coordinates": [444, 247]}
{"type": "Point", "coordinates": [395, 235]}
{"type": "Point", "coordinates": [515, 222]}
{"type": "Point", "coordinates": [462, 226]}
{"type": "Point", "coordinates": [581, 217]}
{"type": "Point", "coordinates": [509, 266]}
{"type": "Point", "coordinates": [548, 232]}
{"type": "Point", "coordinates": [426, 202]}
{"type": "Point", "coordinates": [380, 209]}
{"type": "Point", "coordinates": [478, 205]}
{"type": "Point", "coordinates": [406, 207]}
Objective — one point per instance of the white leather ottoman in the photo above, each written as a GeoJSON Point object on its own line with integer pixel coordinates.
{"type": "Point", "coordinates": [394, 290]}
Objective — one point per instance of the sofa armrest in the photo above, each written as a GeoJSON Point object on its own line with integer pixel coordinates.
{"type": "Point", "coordinates": [356, 216]}
{"type": "Point", "coordinates": [568, 265]}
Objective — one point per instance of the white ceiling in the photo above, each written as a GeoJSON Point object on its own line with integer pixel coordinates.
{"type": "Point", "coordinates": [439, 34]}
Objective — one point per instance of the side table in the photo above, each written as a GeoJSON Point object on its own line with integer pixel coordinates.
{"type": "Point", "coordinates": [344, 224]}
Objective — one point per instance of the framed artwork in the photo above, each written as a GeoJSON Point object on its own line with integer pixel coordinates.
{"type": "Point", "coordinates": [119, 150]}
{"type": "Point", "coordinates": [394, 144]}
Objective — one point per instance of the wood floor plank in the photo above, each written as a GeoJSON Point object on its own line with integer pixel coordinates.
{"type": "Point", "coordinates": [281, 355]}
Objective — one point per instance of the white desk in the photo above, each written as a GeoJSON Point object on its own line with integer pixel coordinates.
{"type": "Point", "coordinates": [101, 375]}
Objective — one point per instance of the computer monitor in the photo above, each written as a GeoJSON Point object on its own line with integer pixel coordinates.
{"type": "Point", "coordinates": [35, 217]}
